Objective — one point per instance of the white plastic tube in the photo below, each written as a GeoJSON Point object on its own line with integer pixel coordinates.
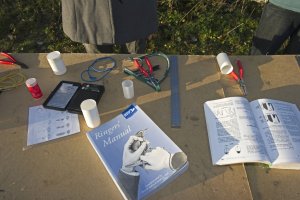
{"type": "Point", "coordinates": [56, 63]}
{"type": "Point", "coordinates": [90, 113]}
{"type": "Point", "coordinates": [128, 89]}
{"type": "Point", "coordinates": [224, 63]}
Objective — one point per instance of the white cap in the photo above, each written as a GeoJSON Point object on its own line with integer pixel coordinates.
{"type": "Point", "coordinates": [31, 82]}
{"type": "Point", "coordinates": [54, 55]}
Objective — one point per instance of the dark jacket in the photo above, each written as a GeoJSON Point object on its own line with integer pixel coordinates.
{"type": "Point", "coordinates": [109, 21]}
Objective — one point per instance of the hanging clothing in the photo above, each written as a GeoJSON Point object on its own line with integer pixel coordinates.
{"type": "Point", "coordinates": [109, 21]}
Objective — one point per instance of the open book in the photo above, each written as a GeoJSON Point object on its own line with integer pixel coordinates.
{"type": "Point", "coordinates": [138, 155]}
{"type": "Point", "coordinates": [264, 130]}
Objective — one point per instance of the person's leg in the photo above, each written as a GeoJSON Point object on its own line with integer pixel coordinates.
{"type": "Point", "coordinates": [107, 48]}
{"type": "Point", "coordinates": [138, 46]}
{"type": "Point", "coordinates": [93, 48]}
{"type": "Point", "coordinates": [275, 26]}
{"type": "Point", "coordinates": [293, 46]}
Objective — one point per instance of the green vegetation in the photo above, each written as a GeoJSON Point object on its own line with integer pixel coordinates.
{"type": "Point", "coordinates": [186, 27]}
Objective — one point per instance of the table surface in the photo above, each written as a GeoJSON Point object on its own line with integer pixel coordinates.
{"type": "Point", "coordinates": [69, 168]}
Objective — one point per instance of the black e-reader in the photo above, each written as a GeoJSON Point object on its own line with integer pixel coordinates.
{"type": "Point", "coordinates": [68, 96]}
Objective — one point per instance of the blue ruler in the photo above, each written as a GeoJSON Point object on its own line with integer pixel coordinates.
{"type": "Point", "coordinates": [175, 98]}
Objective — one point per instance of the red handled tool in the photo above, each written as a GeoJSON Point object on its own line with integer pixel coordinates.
{"type": "Point", "coordinates": [9, 60]}
{"type": "Point", "coordinates": [146, 72]}
{"type": "Point", "coordinates": [240, 78]}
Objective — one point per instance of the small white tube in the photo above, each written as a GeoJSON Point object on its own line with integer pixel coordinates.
{"type": "Point", "coordinates": [224, 63]}
{"type": "Point", "coordinates": [56, 63]}
{"type": "Point", "coordinates": [128, 89]}
{"type": "Point", "coordinates": [90, 113]}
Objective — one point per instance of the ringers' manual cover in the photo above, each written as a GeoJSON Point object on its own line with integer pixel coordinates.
{"type": "Point", "coordinates": [137, 154]}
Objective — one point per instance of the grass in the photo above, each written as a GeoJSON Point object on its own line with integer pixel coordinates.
{"type": "Point", "coordinates": [195, 27]}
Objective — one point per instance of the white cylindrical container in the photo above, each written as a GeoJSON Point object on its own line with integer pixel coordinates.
{"type": "Point", "coordinates": [90, 113]}
{"type": "Point", "coordinates": [224, 63]}
{"type": "Point", "coordinates": [56, 63]}
{"type": "Point", "coordinates": [128, 89]}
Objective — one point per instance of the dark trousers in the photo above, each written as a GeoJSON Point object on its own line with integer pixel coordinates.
{"type": "Point", "coordinates": [277, 26]}
{"type": "Point", "coordinates": [138, 46]}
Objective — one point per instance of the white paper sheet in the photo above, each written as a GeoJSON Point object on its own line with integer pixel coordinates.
{"type": "Point", "coordinates": [45, 124]}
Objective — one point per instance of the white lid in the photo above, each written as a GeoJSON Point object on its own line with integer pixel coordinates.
{"type": "Point", "coordinates": [88, 104]}
{"type": "Point", "coordinates": [53, 55]}
{"type": "Point", "coordinates": [127, 83]}
{"type": "Point", "coordinates": [31, 82]}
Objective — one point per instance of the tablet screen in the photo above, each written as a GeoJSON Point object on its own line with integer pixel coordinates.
{"type": "Point", "coordinates": [63, 95]}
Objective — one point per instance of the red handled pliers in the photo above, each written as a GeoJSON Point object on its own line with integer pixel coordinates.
{"type": "Point", "coordinates": [9, 60]}
{"type": "Point", "coordinates": [240, 78]}
{"type": "Point", "coordinates": [148, 73]}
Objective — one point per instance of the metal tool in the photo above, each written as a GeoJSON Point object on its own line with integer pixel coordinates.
{"type": "Point", "coordinates": [145, 72]}
{"type": "Point", "coordinates": [9, 60]}
{"type": "Point", "coordinates": [138, 62]}
{"type": "Point", "coordinates": [240, 77]}
{"type": "Point", "coordinates": [175, 98]}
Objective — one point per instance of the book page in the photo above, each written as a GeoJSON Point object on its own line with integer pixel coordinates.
{"type": "Point", "coordinates": [233, 133]}
{"type": "Point", "coordinates": [279, 124]}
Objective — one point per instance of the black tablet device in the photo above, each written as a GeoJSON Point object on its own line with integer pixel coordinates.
{"type": "Point", "coordinates": [86, 91]}
{"type": "Point", "coordinates": [68, 95]}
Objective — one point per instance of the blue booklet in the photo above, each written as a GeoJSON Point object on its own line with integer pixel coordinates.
{"type": "Point", "coordinates": [137, 154]}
